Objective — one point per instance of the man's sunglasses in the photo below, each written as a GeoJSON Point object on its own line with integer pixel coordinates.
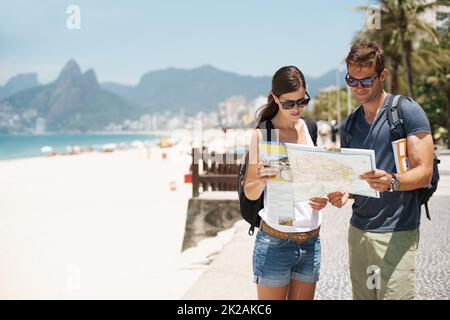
{"type": "Point", "coordinates": [289, 104]}
{"type": "Point", "coordinates": [365, 82]}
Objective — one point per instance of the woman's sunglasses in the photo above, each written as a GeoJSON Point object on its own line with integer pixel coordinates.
{"type": "Point", "coordinates": [365, 83]}
{"type": "Point", "coordinates": [289, 104]}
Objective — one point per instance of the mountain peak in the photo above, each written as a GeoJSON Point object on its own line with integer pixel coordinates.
{"type": "Point", "coordinates": [71, 71]}
{"type": "Point", "coordinates": [71, 66]}
{"type": "Point", "coordinates": [90, 75]}
{"type": "Point", "coordinates": [17, 83]}
{"type": "Point", "coordinates": [207, 67]}
{"type": "Point", "coordinates": [89, 79]}
{"type": "Point", "coordinates": [22, 77]}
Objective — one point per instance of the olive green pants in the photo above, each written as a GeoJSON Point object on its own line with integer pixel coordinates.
{"type": "Point", "coordinates": [382, 265]}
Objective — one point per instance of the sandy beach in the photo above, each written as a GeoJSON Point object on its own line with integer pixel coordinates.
{"type": "Point", "coordinates": [96, 225]}
{"type": "Point", "coordinates": [103, 225]}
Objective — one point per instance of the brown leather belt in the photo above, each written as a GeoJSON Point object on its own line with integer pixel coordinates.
{"type": "Point", "coordinates": [299, 237]}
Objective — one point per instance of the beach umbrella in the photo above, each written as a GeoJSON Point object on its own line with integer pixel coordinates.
{"type": "Point", "coordinates": [137, 144]}
{"type": "Point", "coordinates": [46, 149]}
{"type": "Point", "coordinates": [109, 147]}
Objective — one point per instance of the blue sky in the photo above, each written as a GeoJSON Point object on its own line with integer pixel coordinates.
{"type": "Point", "coordinates": [122, 40]}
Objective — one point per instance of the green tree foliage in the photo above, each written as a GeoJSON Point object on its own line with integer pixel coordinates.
{"type": "Point", "coordinates": [433, 86]}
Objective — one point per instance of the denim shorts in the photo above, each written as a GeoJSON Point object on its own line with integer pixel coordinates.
{"type": "Point", "coordinates": [277, 261]}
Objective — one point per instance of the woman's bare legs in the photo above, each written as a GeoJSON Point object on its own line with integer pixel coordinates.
{"type": "Point", "coordinates": [272, 293]}
{"type": "Point", "coordinates": [299, 290]}
{"type": "Point", "coordinates": [296, 290]}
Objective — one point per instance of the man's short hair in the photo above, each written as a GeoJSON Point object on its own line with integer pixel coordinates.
{"type": "Point", "coordinates": [366, 54]}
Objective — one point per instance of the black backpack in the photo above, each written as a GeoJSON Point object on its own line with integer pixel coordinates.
{"type": "Point", "coordinates": [250, 208]}
{"type": "Point", "coordinates": [395, 122]}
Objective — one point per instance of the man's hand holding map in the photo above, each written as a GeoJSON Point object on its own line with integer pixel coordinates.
{"type": "Point", "coordinates": [317, 171]}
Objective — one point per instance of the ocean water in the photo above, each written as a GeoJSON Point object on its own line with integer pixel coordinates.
{"type": "Point", "coordinates": [24, 146]}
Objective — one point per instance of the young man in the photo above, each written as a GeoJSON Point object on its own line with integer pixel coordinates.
{"type": "Point", "coordinates": [384, 233]}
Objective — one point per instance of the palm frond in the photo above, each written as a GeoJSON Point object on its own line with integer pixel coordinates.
{"type": "Point", "coordinates": [420, 25]}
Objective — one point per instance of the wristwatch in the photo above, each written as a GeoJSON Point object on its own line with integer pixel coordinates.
{"type": "Point", "coordinates": [395, 183]}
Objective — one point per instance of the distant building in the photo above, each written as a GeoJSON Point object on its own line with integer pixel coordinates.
{"type": "Point", "coordinates": [235, 112]}
{"type": "Point", "coordinates": [41, 125]}
{"type": "Point", "coordinates": [443, 18]}
{"type": "Point", "coordinates": [228, 111]}
{"type": "Point", "coordinates": [253, 108]}
{"type": "Point", "coordinates": [438, 17]}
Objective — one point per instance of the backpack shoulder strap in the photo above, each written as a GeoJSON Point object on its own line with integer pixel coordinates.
{"type": "Point", "coordinates": [266, 129]}
{"type": "Point", "coordinates": [349, 125]}
{"type": "Point", "coordinates": [312, 129]}
{"type": "Point", "coordinates": [395, 117]}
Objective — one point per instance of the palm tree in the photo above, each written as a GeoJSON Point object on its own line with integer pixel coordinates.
{"type": "Point", "coordinates": [436, 74]}
{"type": "Point", "coordinates": [442, 81]}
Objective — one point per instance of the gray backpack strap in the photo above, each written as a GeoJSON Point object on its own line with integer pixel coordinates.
{"type": "Point", "coordinates": [348, 126]}
{"type": "Point", "coordinates": [395, 119]}
{"type": "Point", "coordinates": [394, 110]}
{"type": "Point", "coordinates": [395, 100]}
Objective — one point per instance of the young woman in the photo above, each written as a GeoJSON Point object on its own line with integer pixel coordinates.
{"type": "Point", "coordinates": [286, 259]}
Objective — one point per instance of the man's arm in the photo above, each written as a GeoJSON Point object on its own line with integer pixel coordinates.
{"type": "Point", "coordinates": [420, 155]}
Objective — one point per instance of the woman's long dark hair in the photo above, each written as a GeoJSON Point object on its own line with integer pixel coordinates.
{"type": "Point", "coordinates": [286, 79]}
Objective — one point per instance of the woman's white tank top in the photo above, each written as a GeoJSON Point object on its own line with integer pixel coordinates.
{"type": "Point", "coordinates": [305, 218]}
